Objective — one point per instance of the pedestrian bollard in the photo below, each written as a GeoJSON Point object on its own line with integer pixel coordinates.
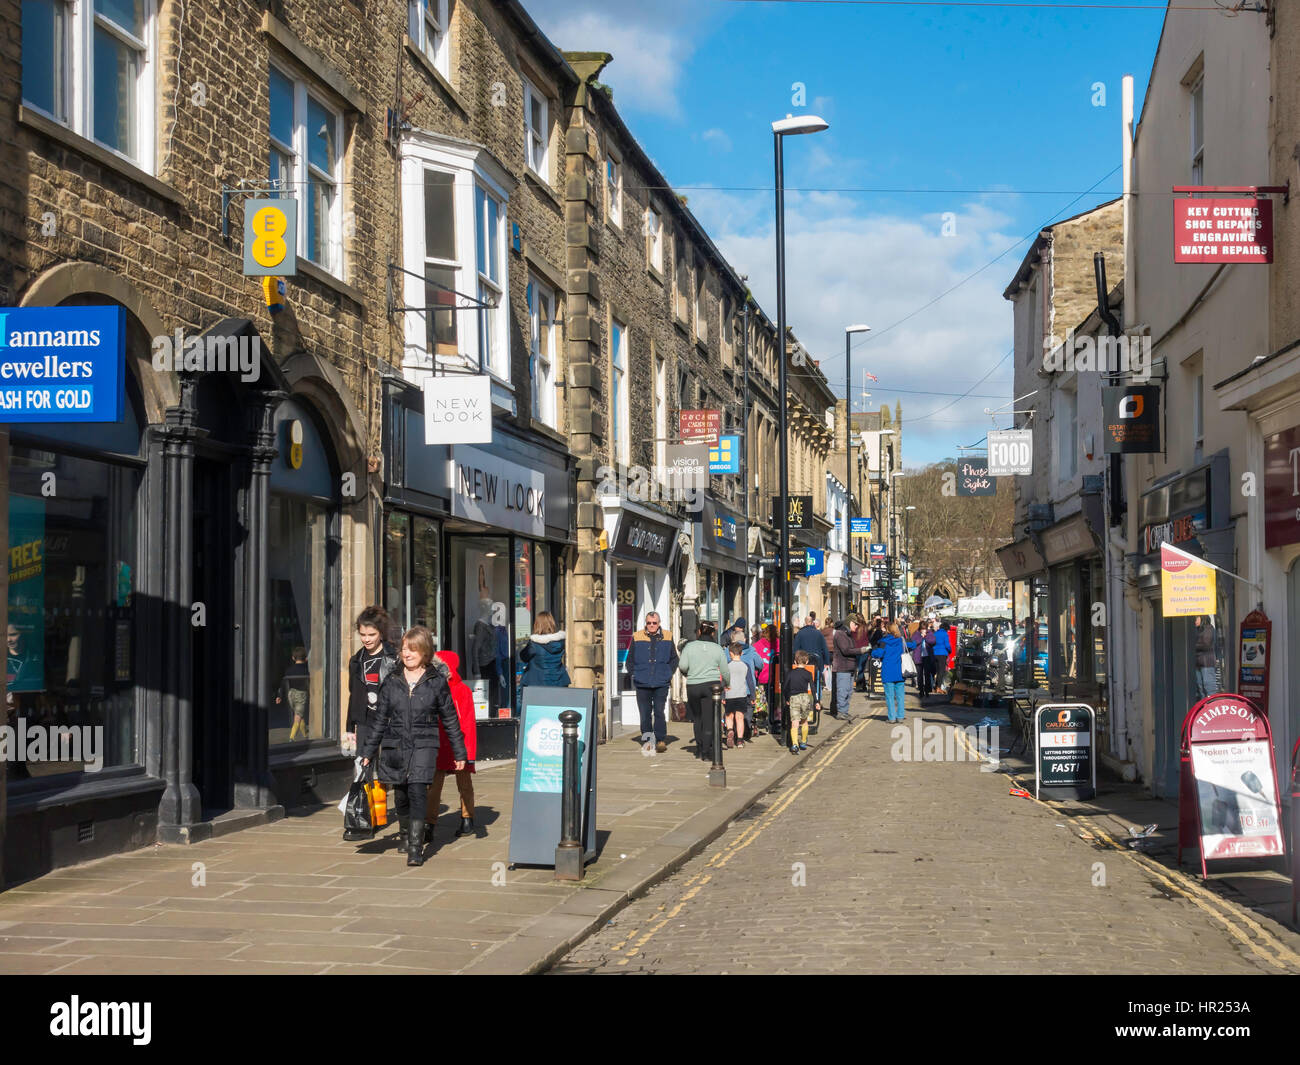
{"type": "Point", "coordinates": [717, 773]}
{"type": "Point", "coordinates": [568, 855]}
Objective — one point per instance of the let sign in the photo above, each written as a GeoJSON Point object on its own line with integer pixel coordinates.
{"type": "Point", "coordinates": [1011, 452]}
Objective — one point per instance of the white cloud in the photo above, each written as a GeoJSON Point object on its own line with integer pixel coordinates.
{"type": "Point", "coordinates": [844, 265]}
{"type": "Point", "coordinates": [718, 138]}
{"type": "Point", "coordinates": [650, 43]}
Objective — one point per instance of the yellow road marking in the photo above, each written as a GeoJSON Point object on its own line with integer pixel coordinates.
{"type": "Point", "coordinates": [742, 841]}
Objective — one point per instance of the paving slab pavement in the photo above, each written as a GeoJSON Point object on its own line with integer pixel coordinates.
{"type": "Point", "coordinates": [293, 897]}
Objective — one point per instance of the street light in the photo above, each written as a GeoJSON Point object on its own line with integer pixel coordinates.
{"type": "Point", "coordinates": [789, 126]}
{"type": "Point", "coordinates": [907, 538]}
{"type": "Point", "coordinates": [848, 433]}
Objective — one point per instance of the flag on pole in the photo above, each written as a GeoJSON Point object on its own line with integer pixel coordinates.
{"type": "Point", "coordinates": [870, 376]}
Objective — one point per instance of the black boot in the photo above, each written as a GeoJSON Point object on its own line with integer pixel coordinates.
{"type": "Point", "coordinates": [415, 842]}
{"type": "Point", "coordinates": [428, 832]}
{"type": "Point", "coordinates": [466, 827]}
{"type": "Point", "coordinates": [401, 833]}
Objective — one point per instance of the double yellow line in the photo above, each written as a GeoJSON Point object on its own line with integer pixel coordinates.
{"type": "Point", "coordinates": [636, 940]}
{"type": "Point", "coordinates": [1265, 946]}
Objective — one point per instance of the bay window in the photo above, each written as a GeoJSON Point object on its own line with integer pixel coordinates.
{"type": "Point", "coordinates": [454, 207]}
{"type": "Point", "coordinates": [89, 65]}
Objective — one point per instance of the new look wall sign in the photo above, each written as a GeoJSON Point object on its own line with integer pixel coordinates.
{"type": "Point", "coordinates": [61, 364]}
{"type": "Point", "coordinates": [495, 492]}
{"type": "Point", "coordinates": [458, 409]}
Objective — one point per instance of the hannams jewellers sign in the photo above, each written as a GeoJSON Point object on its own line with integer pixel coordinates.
{"type": "Point", "coordinates": [61, 364]}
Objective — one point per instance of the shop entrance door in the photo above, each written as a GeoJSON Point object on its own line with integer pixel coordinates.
{"type": "Point", "coordinates": [213, 643]}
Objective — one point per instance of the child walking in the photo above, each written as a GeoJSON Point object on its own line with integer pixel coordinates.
{"type": "Point", "coordinates": [799, 684]}
{"type": "Point", "coordinates": [740, 690]}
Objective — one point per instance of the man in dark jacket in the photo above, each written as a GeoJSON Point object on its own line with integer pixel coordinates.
{"type": "Point", "coordinates": [368, 669]}
{"type": "Point", "coordinates": [844, 660]}
{"type": "Point", "coordinates": [651, 662]}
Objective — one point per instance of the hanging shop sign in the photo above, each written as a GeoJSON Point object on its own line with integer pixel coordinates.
{"type": "Point", "coordinates": [1131, 419]}
{"type": "Point", "coordinates": [458, 409]}
{"type": "Point", "coordinates": [724, 456]}
{"type": "Point", "coordinates": [699, 426]}
{"type": "Point", "coordinates": [867, 578]}
{"type": "Point", "coordinates": [686, 467]}
{"type": "Point", "coordinates": [638, 539]}
{"type": "Point", "coordinates": [1064, 746]}
{"type": "Point", "coordinates": [1011, 452]}
{"type": "Point", "coordinates": [859, 528]}
{"type": "Point", "coordinates": [535, 824]}
{"type": "Point", "coordinates": [1282, 488]}
{"type": "Point", "coordinates": [271, 237]}
{"type": "Point", "coordinates": [1227, 790]}
{"type": "Point", "coordinates": [1020, 560]}
{"type": "Point", "coordinates": [61, 364]}
{"type": "Point", "coordinates": [973, 478]}
{"type": "Point", "coordinates": [1253, 673]}
{"type": "Point", "coordinates": [800, 514]}
{"type": "Point", "coordinates": [492, 491]}
{"type": "Point", "coordinates": [876, 552]}
{"type": "Point", "coordinates": [1187, 584]}
{"type": "Point", "coordinates": [1231, 230]}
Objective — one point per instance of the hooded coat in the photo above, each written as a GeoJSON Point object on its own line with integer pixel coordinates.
{"type": "Point", "coordinates": [407, 723]}
{"type": "Point", "coordinates": [463, 699]}
{"type": "Point", "coordinates": [543, 658]}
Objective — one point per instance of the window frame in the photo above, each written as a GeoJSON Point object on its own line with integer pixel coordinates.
{"type": "Point", "coordinates": [540, 296]}
{"type": "Point", "coordinates": [619, 368]}
{"type": "Point", "coordinates": [1196, 116]}
{"type": "Point", "coordinates": [614, 190]}
{"type": "Point", "coordinates": [74, 77]}
{"type": "Point", "coordinates": [654, 251]}
{"type": "Point", "coordinates": [701, 303]}
{"type": "Point", "coordinates": [303, 170]}
{"type": "Point", "coordinates": [531, 92]}
{"type": "Point", "coordinates": [424, 16]}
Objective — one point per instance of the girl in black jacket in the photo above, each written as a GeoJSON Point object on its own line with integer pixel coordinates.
{"type": "Point", "coordinates": [411, 703]}
{"type": "Point", "coordinates": [375, 659]}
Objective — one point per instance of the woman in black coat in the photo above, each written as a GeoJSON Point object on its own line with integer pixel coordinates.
{"type": "Point", "coordinates": [411, 703]}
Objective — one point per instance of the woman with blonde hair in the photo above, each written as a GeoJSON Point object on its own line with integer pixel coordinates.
{"type": "Point", "coordinates": [543, 654]}
{"type": "Point", "coordinates": [413, 701]}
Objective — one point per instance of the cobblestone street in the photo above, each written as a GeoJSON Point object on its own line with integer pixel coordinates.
{"type": "Point", "coordinates": [858, 863]}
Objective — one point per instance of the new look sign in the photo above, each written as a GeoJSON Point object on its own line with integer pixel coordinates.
{"type": "Point", "coordinates": [458, 409]}
{"type": "Point", "coordinates": [61, 364]}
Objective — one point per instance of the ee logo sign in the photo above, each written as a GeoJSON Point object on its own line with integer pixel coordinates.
{"type": "Point", "coordinates": [270, 237]}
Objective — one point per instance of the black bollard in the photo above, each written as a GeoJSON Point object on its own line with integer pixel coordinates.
{"type": "Point", "coordinates": [717, 773]}
{"type": "Point", "coordinates": [568, 855]}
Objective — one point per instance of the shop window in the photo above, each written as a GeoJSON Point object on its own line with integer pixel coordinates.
{"type": "Point", "coordinates": [626, 615]}
{"type": "Point", "coordinates": [72, 571]}
{"type": "Point", "coordinates": [479, 619]}
{"type": "Point", "coordinates": [303, 575]}
{"type": "Point", "coordinates": [412, 584]}
{"type": "Point", "coordinates": [89, 66]}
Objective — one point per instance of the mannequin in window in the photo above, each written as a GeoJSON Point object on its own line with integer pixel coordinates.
{"type": "Point", "coordinates": [483, 648]}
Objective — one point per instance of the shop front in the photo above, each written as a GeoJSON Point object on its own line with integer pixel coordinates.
{"type": "Point", "coordinates": [1025, 568]}
{"type": "Point", "coordinates": [476, 545]}
{"type": "Point", "coordinates": [167, 571]}
{"type": "Point", "coordinates": [1190, 657]}
{"type": "Point", "coordinates": [1075, 630]}
{"type": "Point", "coordinates": [641, 565]}
{"type": "Point", "coordinates": [722, 565]}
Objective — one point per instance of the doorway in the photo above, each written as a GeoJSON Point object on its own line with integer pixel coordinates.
{"type": "Point", "coordinates": [213, 644]}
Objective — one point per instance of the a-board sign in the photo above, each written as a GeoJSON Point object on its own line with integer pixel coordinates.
{"type": "Point", "coordinates": [1065, 751]}
{"type": "Point", "coordinates": [535, 817]}
{"type": "Point", "coordinates": [1228, 793]}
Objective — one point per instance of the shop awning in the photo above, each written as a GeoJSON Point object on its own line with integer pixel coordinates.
{"type": "Point", "coordinates": [1068, 539]}
{"type": "Point", "coordinates": [1021, 559]}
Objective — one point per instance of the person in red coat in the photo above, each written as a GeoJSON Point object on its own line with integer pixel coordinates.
{"type": "Point", "coordinates": [448, 664]}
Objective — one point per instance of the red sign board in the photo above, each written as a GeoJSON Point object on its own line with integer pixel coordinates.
{"type": "Point", "coordinates": [1252, 673]}
{"type": "Point", "coordinates": [1233, 229]}
{"type": "Point", "coordinates": [699, 426]}
{"type": "Point", "coordinates": [1228, 794]}
{"type": "Point", "coordinates": [1282, 488]}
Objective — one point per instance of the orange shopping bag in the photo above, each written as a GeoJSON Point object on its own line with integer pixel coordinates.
{"type": "Point", "coordinates": [378, 799]}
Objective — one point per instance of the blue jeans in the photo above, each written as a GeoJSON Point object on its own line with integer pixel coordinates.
{"type": "Point", "coordinates": [843, 689]}
{"type": "Point", "coordinates": [894, 698]}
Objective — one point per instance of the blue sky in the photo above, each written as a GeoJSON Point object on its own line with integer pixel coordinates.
{"type": "Point", "coordinates": [992, 106]}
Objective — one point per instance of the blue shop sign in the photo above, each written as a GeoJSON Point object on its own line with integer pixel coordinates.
{"type": "Point", "coordinates": [724, 456]}
{"type": "Point", "coordinates": [877, 551]}
{"type": "Point", "coordinates": [61, 364]}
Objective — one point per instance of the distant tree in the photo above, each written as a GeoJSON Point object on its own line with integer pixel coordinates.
{"type": "Point", "coordinates": [952, 538]}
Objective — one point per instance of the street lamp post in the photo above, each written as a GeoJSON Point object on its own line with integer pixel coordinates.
{"type": "Point", "coordinates": [785, 127]}
{"type": "Point", "coordinates": [848, 442]}
{"type": "Point", "coordinates": [882, 487]}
